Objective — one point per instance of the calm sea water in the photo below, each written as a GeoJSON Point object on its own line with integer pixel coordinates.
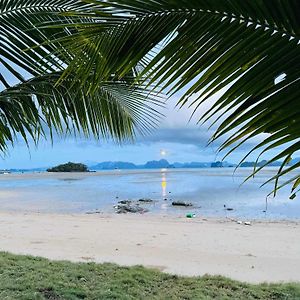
{"type": "Point", "coordinates": [208, 189]}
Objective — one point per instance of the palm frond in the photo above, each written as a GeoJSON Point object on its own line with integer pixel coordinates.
{"type": "Point", "coordinates": [116, 110]}
{"type": "Point", "coordinates": [207, 46]}
{"type": "Point", "coordinates": [33, 58]}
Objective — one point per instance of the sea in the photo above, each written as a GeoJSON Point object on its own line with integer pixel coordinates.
{"type": "Point", "coordinates": [213, 192]}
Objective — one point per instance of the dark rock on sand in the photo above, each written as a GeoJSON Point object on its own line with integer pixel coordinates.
{"type": "Point", "coordinates": [125, 202]}
{"type": "Point", "coordinates": [129, 208]}
{"type": "Point", "coordinates": [146, 200]}
{"type": "Point", "coordinates": [181, 203]}
{"type": "Point", "coordinates": [227, 208]}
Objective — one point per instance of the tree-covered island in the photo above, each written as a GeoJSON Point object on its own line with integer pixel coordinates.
{"type": "Point", "coordinates": [69, 167]}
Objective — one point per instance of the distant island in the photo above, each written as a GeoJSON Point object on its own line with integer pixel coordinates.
{"type": "Point", "coordinates": [153, 164]}
{"type": "Point", "coordinates": [164, 164]}
{"type": "Point", "coordinates": [69, 167]}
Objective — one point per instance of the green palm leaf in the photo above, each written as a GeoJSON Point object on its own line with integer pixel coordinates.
{"type": "Point", "coordinates": [33, 57]}
{"type": "Point", "coordinates": [202, 47]}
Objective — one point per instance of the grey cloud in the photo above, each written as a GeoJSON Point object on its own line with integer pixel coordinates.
{"type": "Point", "coordinates": [198, 137]}
{"type": "Point", "coordinates": [192, 136]}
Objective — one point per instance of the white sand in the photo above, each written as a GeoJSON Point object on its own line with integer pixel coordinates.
{"type": "Point", "coordinates": [261, 252]}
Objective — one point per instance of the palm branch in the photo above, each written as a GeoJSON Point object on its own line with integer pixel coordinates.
{"type": "Point", "coordinates": [203, 47]}
{"type": "Point", "coordinates": [32, 59]}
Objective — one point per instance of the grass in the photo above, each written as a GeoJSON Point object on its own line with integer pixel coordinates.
{"type": "Point", "coordinates": [25, 277]}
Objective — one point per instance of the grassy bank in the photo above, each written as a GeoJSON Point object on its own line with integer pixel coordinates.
{"type": "Point", "coordinates": [23, 277]}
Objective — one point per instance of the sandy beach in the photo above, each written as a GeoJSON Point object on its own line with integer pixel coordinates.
{"type": "Point", "coordinates": [262, 252]}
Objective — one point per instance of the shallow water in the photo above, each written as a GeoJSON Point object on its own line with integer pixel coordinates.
{"type": "Point", "coordinates": [208, 189]}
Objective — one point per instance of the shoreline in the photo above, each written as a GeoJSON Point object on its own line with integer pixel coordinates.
{"type": "Point", "coordinates": [174, 215]}
{"type": "Point", "coordinates": [266, 251]}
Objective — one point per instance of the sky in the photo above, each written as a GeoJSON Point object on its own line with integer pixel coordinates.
{"type": "Point", "coordinates": [180, 139]}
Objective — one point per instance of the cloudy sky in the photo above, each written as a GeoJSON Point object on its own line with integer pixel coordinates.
{"type": "Point", "coordinates": [181, 139]}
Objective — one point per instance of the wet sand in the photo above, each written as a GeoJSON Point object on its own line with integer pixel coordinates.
{"type": "Point", "coordinates": [262, 252]}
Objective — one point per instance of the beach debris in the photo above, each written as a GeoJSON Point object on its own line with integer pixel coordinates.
{"type": "Point", "coordinates": [247, 223]}
{"type": "Point", "coordinates": [190, 215]}
{"type": "Point", "coordinates": [181, 203]}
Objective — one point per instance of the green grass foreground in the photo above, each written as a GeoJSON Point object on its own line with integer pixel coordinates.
{"type": "Point", "coordinates": [24, 277]}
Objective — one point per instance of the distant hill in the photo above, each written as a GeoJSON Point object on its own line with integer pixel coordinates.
{"type": "Point", "coordinates": [163, 163]}
{"type": "Point", "coordinates": [111, 165]}
{"type": "Point", "coordinates": [193, 164]}
{"type": "Point", "coordinates": [259, 164]}
{"type": "Point", "coordinates": [158, 164]}
{"type": "Point", "coordinates": [28, 170]}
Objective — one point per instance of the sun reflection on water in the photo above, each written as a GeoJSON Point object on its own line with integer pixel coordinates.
{"type": "Point", "coordinates": [163, 183]}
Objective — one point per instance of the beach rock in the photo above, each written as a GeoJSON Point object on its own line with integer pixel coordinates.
{"type": "Point", "coordinates": [181, 203]}
{"type": "Point", "coordinates": [227, 208]}
{"type": "Point", "coordinates": [146, 200]}
{"type": "Point", "coordinates": [129, 208]}
{"type": "Point", "coordinates": [126, 202]}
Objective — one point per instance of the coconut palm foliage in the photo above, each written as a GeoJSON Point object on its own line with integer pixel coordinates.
{"type": "Point", "coordinates": [203, 47]}
{"type": "Point", "coordinates": [30, 66]}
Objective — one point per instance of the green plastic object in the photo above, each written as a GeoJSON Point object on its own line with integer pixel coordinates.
{"type": "Point", "coordinates": [190, 215]}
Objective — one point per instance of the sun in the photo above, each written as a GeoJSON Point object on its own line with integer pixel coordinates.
{"type": "Point", "coordinates": [163, 152]}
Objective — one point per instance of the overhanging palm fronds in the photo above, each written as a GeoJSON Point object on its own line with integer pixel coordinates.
{"type": "Point", "coordinates": [243, 46]}
{"type": "Point", "coordinates": [33, 58]}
